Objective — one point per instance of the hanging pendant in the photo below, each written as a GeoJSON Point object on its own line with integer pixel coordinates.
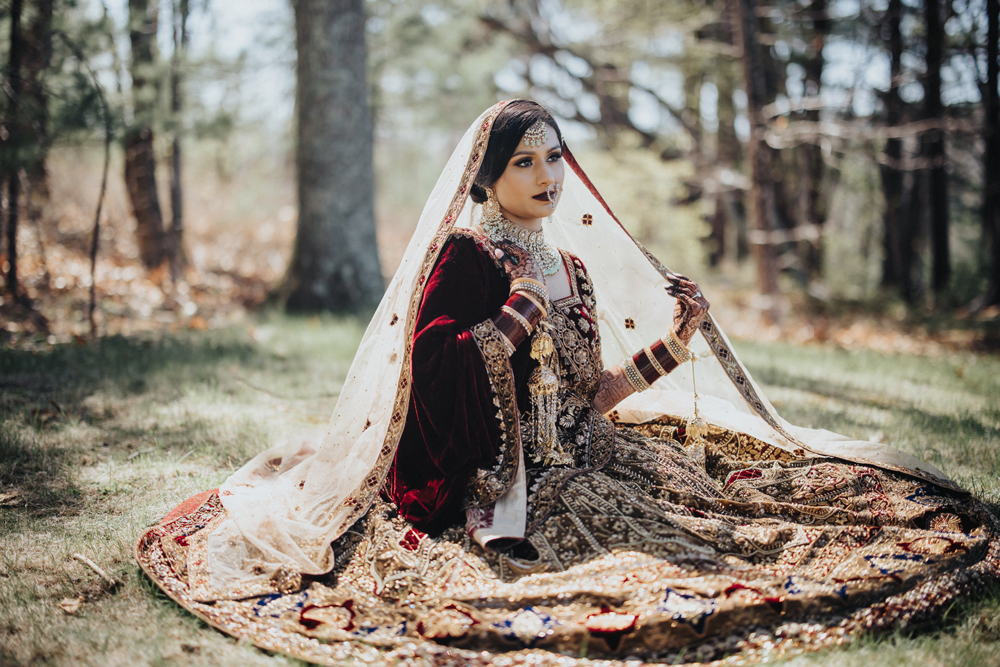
{"type": "Point", "coordinates": [696, 428]}
{"type": "Point", "coordinates": [543, 389]}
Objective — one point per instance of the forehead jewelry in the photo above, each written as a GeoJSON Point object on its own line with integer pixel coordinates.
{"type": "Point", "coordinates": [537, 134]}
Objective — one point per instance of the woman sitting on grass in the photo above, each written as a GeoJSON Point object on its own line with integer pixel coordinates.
{"type": "Point", "coordinates": [546, 445]}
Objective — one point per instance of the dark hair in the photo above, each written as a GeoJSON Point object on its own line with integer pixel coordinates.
{"type": "Point", "coordinates": [508, 128]}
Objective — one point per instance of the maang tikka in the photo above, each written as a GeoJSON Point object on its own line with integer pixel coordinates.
{"type": "Point", "coordinates": [537, 134]}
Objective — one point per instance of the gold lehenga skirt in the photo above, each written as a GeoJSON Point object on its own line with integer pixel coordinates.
{"type": "Point", "coordinates": [733, 548]}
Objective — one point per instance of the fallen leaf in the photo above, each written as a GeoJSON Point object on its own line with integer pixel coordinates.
{"type": "Point", "coordinates": [70, 605]}
{"type": "Point", "coordinates": [8, 498]}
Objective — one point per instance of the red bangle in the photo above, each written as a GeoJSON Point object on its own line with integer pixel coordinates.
{"type": "Point", "coordinates": [510, 328]}
{"type": "Point", "coordinates": [526, 308]}
{"type": "Point", "coordinates": [641, 361]}
{"type": "Point", "coordinates": [663, 356]}
{"type": "Point", "coordinates": [650, 366]}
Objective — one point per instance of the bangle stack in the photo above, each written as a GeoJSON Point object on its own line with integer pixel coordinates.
{"type": "Point", "coordinates": [530, 286]}
{"type": "Point", "coordinates": [517, 319]}
{"type": "Point", "coordinates": [651, 363]}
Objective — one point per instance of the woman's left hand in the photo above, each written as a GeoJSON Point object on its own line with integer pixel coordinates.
{"type": "Point", "coordinates": [691, 307]}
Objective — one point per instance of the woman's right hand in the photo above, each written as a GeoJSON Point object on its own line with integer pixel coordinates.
{"type": "Point", "coordinates": [526, 266]}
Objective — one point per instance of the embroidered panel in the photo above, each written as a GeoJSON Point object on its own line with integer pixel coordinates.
{"type": "Point", "coordinates": [486, 486]}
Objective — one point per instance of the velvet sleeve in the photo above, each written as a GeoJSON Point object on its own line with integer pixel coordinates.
{"type": "Point", "coordinates": [451, 426]}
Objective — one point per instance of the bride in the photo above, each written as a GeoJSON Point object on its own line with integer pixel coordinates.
{"type": "Point", "coordinates": [547, 447]}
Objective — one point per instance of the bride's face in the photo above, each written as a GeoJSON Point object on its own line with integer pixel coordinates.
{"type": "Point", "coordinates": [522, 188]}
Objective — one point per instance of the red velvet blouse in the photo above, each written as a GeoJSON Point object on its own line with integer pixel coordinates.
{"type": "Point", "coordinates": [451, 427]}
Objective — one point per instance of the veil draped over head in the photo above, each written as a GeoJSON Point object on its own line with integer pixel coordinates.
{"type": "Point", "coordinates": [285, 507]}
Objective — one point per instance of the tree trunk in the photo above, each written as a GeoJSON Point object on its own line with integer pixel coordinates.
{"type": "Point", "coordinates": [15, 141]}
{"type": "Point", "coordinates": [934, 150]}
{"type": "Point", "coordinates": [897, 264]}
{"type": "Point", "coordinates": [140, 158]}
{"type": "Point", "coordinates": [991, 157]}
{"type": "Point", "coordinates": [37, 47]}
{"type": "Point", "coordinates": [181, 9]}
{"type": "Point", "coordinates": [812, 205]}
{"type": "Point", "coordinates": [762, 210]}
{"type": "Point", "coordinates": [335, 263]}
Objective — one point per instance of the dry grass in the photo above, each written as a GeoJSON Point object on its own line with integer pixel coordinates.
{"type": "Point", "coordinates": [99, 440]}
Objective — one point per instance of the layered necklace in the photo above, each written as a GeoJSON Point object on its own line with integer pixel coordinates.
{"type": "Point", "coordinates": [499, 228]}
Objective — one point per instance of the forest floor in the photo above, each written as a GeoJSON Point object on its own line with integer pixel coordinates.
{"type": "Point", "coordinates": [100, 438]}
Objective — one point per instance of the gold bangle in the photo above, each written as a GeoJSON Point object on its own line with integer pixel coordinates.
{"type": "Point", "coordinates": [530, 281]}
{"type": "Point", "coordinates": [652, 360]}
{"type": "Point", "coordinates": [524, 286]}
{"type": "Point", "coordinates": [633, 376]}
{"type": "Point", "coordinates": [518, 317]}
{"type": "Point", "coordinates": [676, 348]}
{"type": "Point", "coordinates": [527, 295]}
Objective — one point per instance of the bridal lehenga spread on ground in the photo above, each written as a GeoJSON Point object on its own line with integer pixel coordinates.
{"type": "Point", "coordinates": [752, 539]}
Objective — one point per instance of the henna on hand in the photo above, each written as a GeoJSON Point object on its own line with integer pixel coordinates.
{"type": "Point", "coordinates": [691, 306]}
{"type": "Point", "coordinates": [612, 388]}
{"type": "Point", "coordinates": [526, 267]}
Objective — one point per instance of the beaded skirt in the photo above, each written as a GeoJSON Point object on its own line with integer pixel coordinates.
{"type": "Point", "coordinates": [730, 550]}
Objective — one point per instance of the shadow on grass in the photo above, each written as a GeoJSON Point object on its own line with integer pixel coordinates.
{"type": "Point", "coordinates": [124, 363]}
{"type": "Point", "coordinates": [942, 426]}
{"type": "Point", "coordinates": [35, 476]}
{"type": "Point", "coordinates": [41, 392]}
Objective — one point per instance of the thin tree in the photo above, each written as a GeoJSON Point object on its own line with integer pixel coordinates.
{"type": "Point", "coordinates": [763, 205]}
{"type": "Point", "coordinates": [897, 263]}
{"type": "Point", "coordinates": [335, 263]}
{"type": "Point", "coordinates": [181, 10]}
{"type": "Point", "coordinates": [37, 56]}
{"type": "Point", "coordinates": [932, 143]}
{"type": "Point", "coordinates": [991, 157]}
{"type": "Point", "coordinates": [140, 158]}
{"type": "Point", "coordinates": [14, 141]}
{"type": "Point", "coordinates": [812, 205]}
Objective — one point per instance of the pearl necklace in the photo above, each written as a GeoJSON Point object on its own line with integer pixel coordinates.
{"type": "Point", "coordinates": [500, 228]}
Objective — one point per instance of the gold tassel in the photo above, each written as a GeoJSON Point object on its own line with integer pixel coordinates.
{"type": "Point", "coordinates": [695, 428]}
{"type": "Point", "coordinates": [543, 387]}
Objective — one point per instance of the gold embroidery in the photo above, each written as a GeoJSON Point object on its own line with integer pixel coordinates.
{"type": "Point", "coordinates": [486, 486]}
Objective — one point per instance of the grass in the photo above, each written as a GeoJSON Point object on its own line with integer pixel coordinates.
{"type": "Point", "coordinates": [99, 440]}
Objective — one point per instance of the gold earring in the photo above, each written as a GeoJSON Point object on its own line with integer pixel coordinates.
{"type": "Point", "coordinates": [491, 207]}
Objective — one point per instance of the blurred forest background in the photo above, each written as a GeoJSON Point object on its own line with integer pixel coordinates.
{"type": "Point", "coordinates": [829, 169]}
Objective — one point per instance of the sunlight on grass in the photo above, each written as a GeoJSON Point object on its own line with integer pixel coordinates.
{"type": "Point", "coordinates": [98, 441]}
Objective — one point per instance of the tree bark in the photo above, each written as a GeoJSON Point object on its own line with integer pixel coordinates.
{"type": "Point", "coordinates": [991, 157]}
{"type": "Point", "coordinates": [898, 238]}
{"type": "Point", "coordinates": [813, 206]}
{"type": "Point", "coordinates": [181, 9]}
{"type": "Point", "coordinates": [15, 141]}
{"type": "Point", "coordinates": [37, 44]}
{"type": "Point", "coordinates": [763, 209]}
{"type": "Point", "coordinates": [335, 263]}
{"type": "Point", "coordinates": [934, 150]}
{"type": "Point", "coordinates": [140, 157]}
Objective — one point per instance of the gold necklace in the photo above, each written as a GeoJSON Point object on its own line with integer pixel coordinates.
{"type": "Point", "coordinates": [499, 228]}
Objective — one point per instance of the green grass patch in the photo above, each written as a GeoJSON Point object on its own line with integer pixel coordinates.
{"type": "Point", "coordinates": [98, 441]}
